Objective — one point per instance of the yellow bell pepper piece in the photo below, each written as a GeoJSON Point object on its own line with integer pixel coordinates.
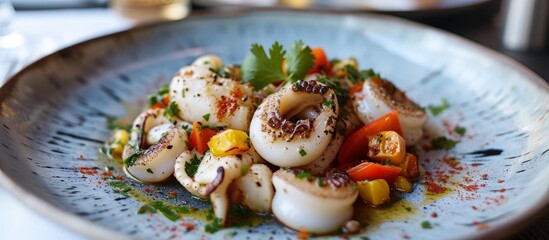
{"type": "Point", "coordinates": [119, 139]}
{"type": "Point", "coordinates": [375, 192]}
{"type": "Point", "coordinates": [387, 145]}
{"type": "Point", "coordinates": [229, 142]}
{"type": "Point", "coordinates": [402, 184]}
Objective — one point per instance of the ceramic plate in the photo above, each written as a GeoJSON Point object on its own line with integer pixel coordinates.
{"type": "Point", "coordinates": [54, 115]}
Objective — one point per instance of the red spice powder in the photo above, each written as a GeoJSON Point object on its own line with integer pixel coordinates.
{"type": "Point", "coordinates": [88, 171]}
{"type": "Point", "coordinates": [470, 188]}
{"type": "Point", "coordinates": [188, 226]}
{"type": "Point", "coordinates": [434, 215]}
{"type": "Point", "coordinates": [148, 189]}
{"type": "Point", "coordinates": [501, 181]}
{"type": "Point", "coordinates": [225, 106]}
{"type": "Point", "coordinates": [435, 188]}
{"type": "Point", "coordinates": [106, 174]}
{"type": "Point", "coordinates": [484, 176]}
{"type": "Point", "coordinates": [119, 178]}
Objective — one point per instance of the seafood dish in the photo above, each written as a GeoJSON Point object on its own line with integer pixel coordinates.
{"type": "Point", "coordinates": [290, 133]}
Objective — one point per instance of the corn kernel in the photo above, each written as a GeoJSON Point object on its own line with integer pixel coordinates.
{"type": "Point", "coordinates": [122, 136]}
{"type": "Point", "coordinates": [119, 139]}
{"type": "Point", "coordinates": [402, 184]}
{"type": "Point", "coordinates": [229, 142]}
{"type": "Point", "coordinates": [375, 192]}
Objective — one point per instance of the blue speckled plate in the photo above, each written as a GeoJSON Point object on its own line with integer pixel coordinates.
{"type": "Point", "coordinates": [54, 112]}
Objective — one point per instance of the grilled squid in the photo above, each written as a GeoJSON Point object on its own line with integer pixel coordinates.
{"type": "Point", "coordinates": [316, 205]}
{"type": "Point", "coordinates": [254, 189]}
{"type": "Point", "coordinates": [379, 97]}
{"type": "Point", "coordinates": [153, 147]}
{"type": "Point", "coordinates": [294, 126]}
{"type": "Point", "coordinates": [214, 176]}
{"type": "Point", "coordinates": [204, 96]}
{"type": "Point", "coordinates": [322, 164]}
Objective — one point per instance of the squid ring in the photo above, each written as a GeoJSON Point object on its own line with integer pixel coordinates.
{"type": "Point", "coordinates": [379, 97]}
{"type": "Point", "coordinates": [317, 205]}
{"type": "Point", "coordinates": [154, 146]}
{"type": "Point", "coordinates": [295, 125]}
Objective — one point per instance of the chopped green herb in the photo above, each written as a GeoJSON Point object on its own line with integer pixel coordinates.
{"type": "Point", "coordinates": [108, 168]}
{"type": "Point", "coordinates": [146, 209]}
{"type": "Point", "coordinates": [214, 226]}
{"type": "Point", "coordinates": [460, 130]}
{"type": "Point", "coordinates": [364, 238]}
{"type": "Point", "coordinates": [206, 62]}
{"type": "Point", "coordinates": [436, 110]}
{"type": "Point", "coordinates": [158, 97]}
{"type": "Point", "coordinates": [328, 103]}
{"type": "Point", "coordinates": [172, 110]}
{"type": "Point", "coordinates": [206, 116]}
{"type": "Point", "coordinates": [426, 225]}
{"type": "Point", "coordinates": [107, 151]}
{"type": "Point", "coordinates": [150, 171]}
{"type": "Point", "coordinates": [231, 233]}
{"type": "Point", "coordinates": [319, 182]}
{"type": "Point", "coordinates": [244, 170]}
{"type": "Point", "coordinates": [304, 175]}
{"type": "Point", "coordinates": [220, 72]}
{"type": "Point", "coordinates": [387, 162]}
{"type": "Point", "coordinates": [132, 158]}
{"type": "Point", "coordinates": [302, 152]}
{"type": "Point", "coordinates": [182, 92]}
{"type": "Point", "coordinates": [120, 187]}
{"type": "Point", "coordinates": [369, 73]}
{"type": "Point", "coordinates": [353, 74]}
{"type": "Point", "coordinates": [297, 86]}
{"type": "Point", "coordinates": [192, 166]}
{"type": "Point", "coordinates": [182, 210]}
{"type": "Point", "coordinates": [443, 143]}
{"type": "Point", "coordinates": [167, 210]}
{"type": "Point", "coordinates": [334, 84]}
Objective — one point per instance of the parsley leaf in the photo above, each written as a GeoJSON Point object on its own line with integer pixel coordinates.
{"type": "Point", "coordinates": [304, 175]}
{"type": "Point", "coordinates": [436, 110]}
{"type": "Point", "coordinates": [159, 95]}
{"type": "Point", "coordinates": [192, 166]}
{"type": "Point", "coordinates": [214, 226]}
{"type": "Point", "coordinates": [328, 103]}
{"type": "Point", "coordinates": [460, 130]}
{"type": "Point", "coordinates": [132, 158]}
{"type": "Point", "coordinates": [206, 117]}
{"type": "Point", "coordinates": [426, 225]}
{"type": "Point", "coordinates": [302, 152]}
{"type": "Point", "coordinates": [443, 143]}
{"type": "Point", "coordinates": [300, 59]}
{"type": "Point", "coordinates": [369, 73]}
{"type": "Point", "coordinates": [172, 110]}
{"type": "Point", "coordinates": [260, 70]}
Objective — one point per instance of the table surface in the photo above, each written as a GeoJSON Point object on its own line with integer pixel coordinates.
{"type": "Point", "coordinates": [480, 25]}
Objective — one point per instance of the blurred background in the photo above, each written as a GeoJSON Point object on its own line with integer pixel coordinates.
{"type": "Point", "coordinates": [31, 29]}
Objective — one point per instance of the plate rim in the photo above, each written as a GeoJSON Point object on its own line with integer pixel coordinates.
{"type": "Point", "coordinates": [87, 228]}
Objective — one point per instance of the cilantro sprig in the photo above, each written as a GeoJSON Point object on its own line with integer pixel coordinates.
{"type": "Point", "coordinates": [261, 70]}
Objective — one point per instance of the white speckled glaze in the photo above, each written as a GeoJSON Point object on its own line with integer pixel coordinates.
{"type": "Point", "coordinates": [53, 117]}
